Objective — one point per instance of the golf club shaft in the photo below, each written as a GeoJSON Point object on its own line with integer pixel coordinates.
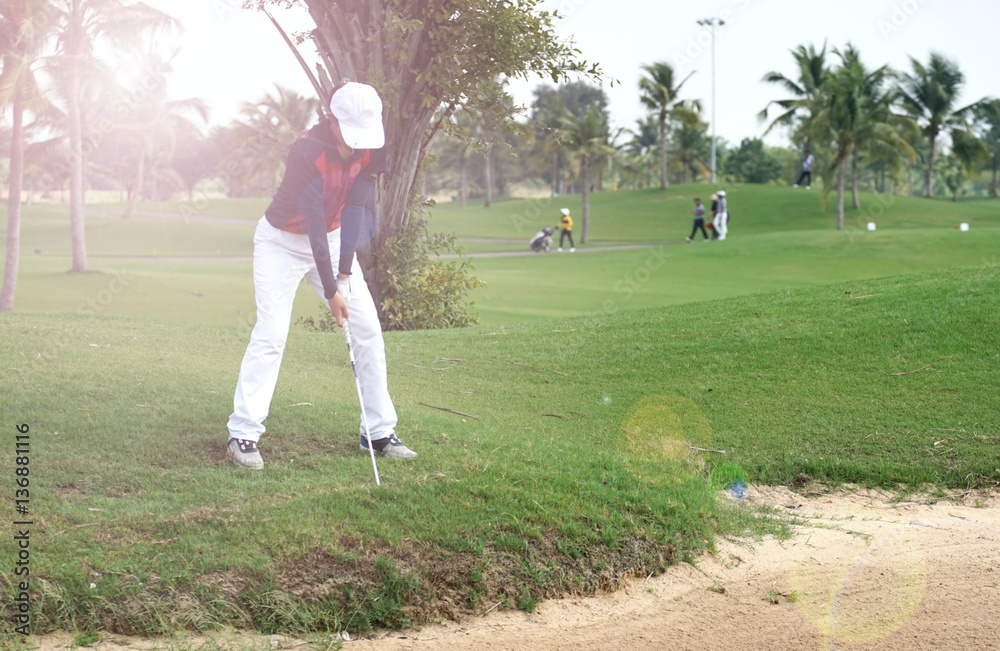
{"type": "Point", "coordinates": [361, 400]}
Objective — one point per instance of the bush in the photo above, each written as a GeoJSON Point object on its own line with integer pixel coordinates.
{"type": "Point", "coordinates": [419, 291]}
{"type": "Point", "coordinates": [424, 293]}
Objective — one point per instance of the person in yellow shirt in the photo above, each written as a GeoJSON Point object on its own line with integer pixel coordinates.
{"type": "Point", "coordinates": [566, 224]}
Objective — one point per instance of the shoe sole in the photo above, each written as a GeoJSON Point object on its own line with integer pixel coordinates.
{"type": "Point", "coordinates": [391, 453]}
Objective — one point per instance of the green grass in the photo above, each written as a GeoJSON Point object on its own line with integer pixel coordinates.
{"type": "Point", "coordinates": [803, 353]}
{"type": "Point", "coordinates": [549, 485]}
{"type": "Point", "coordinates": [656, 214]}
{"type": "Point", "coordinates": [779, 238]}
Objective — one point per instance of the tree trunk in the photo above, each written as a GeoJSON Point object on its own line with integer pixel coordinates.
{"type": "Point", "coordinates": [993, 183]}
{"type": "Point", "coordinates": [77, 208]}
{"type": "Point", "coordinates": [488, 180]}
{"type": "Point", "coordinates": [841, 179]}
{"type": "Point", "coordinates": [13, 206]}
{"type": "Point", "coordinates": [929, 174]}
{"type": "Point", "coordinates": [664, 183]}
{"type": "Point", "coordinates": [555, 173]}
{"type": "Point", "coordinates": [463, 184]}
{"type": "Point", "coordinates": [855, 200]}
{"type": "Point", "coordinates": [585, 184]}
{"type": "Point", "coordinates": [136, 187]}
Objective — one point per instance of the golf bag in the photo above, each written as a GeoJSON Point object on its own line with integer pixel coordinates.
{"type": "Point", "coordinates": [542, 241]}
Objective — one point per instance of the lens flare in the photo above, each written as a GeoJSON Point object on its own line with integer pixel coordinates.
{"type": "Point", "coordinates": [863, 589]}
{"type": "Point", "coordinates": [664, 440]}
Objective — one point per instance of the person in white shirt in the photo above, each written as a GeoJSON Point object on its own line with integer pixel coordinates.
{"type": "Point", "coordinates": [807, 171]}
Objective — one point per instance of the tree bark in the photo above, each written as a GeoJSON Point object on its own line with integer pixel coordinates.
{"type": "Point", "coordinates": [555, 173]}
{"type": "Point", "coordinates": [585, 211]}
{"type": "Point", "coordinates": [855, 200]}
{"type": "Point", "coordinates": [136, 187]}
{"type": "Point", "coordinates": [993, 183]}
{"type": "Point", "coordinates": [929, 174]}
{"type": "Point", "coordinates": [77, 208]}
{"type": "Point", "coordinates": [664, 182]}
{"type": "Point", "coordinates": [14, 206]}
{"type": "Point", "coordinates": [488, 180]}
{"type": "Point", "coordinates": [841, 178]}
{"type": "Point", "coordinates": [463, 184]}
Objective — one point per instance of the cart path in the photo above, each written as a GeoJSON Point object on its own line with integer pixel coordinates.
{"type": "Point", "coordinates": [236, 221]}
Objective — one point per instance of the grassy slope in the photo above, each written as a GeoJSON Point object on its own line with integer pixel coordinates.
{"type": "Point", "coordinates": [883, 381]}
{"type": "Point", "coordinates": [535, 496]}
{"type": "Point", "coordinates": [779, 238]}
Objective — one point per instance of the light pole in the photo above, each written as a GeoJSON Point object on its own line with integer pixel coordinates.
{"type": "Point", "coordinates": [712, 23]}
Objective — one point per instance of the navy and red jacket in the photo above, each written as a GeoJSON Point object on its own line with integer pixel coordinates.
{"type": "Point", "coordinates": [321, 191]}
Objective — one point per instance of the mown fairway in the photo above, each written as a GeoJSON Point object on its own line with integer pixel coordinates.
{"type": "Point", "coordinates": [184, 267]}
{"type": "Point", "coordinates": [591, 439]}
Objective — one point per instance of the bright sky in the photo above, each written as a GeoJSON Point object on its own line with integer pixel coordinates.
{"type": "Point", "coordinates": [227, 55]}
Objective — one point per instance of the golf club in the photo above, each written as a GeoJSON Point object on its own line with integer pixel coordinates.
{"type": "Point", "coordinates": [364, 417]}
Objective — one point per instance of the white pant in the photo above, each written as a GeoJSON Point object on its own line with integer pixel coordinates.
{"type": "Point", "coordinates": [719, 224]}
{"type": "Point", "coordinates": [280, 261]}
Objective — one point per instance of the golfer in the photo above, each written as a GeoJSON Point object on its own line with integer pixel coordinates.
{"type": "Point", "coordinates": [721, 220]}
{"type": "Point", "coordinates": [312, 230]}
{"type": "Point", "coordinates": [699, 221]}
{"type": "Point", "coordinates": [566, 224]}
{"type": "Point", "coordinates": [807, 171]}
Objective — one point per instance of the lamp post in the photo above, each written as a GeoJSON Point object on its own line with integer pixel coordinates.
{"type": "Point", "coordinates": [711, 23]}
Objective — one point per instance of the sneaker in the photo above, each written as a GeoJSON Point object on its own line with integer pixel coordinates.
{"type": "Point", "coordinates": [688, 240]}
{"type": "Point", "coordinates": [559, 249]}
{"type": "Point", "coordinates": [572, 250]}
{"type": "Point", "coordinates": [390, 446]}
{"type": "Point", "coordinates": [809, 187]}
{"type": "Point", "coordinates": [244, 453]}
{"type": "Point", "coordinates": [795, 185]}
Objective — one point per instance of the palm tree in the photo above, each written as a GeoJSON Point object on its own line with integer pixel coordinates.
{"type": "Point", "coordinates": [806, 90]}
{"type": "Point", "coordinates": [988, 130]}
{"type": "Point", "coordinates": [658, 92]}
{"type": "Point", "coordinates": [143, 142]}
{"type": "Point", "coordinates": [586, 137]}
{"type": "Point", "coordinates": [548, 113]}
{"type": "Point", "coordinates": [855, 109]}
{"type": "Point", "coordinates": [692, 146]}
{"type": "Point", "coordinates": [125, 26]}
{"type": "Point", "coordinates": [644, 140]}
{"type": "Point", "coordinates": [262, 136]}
{"type": "Point", "coordinates": [23, 35]}
{"type": "Point", "coordinates": [929, 95]}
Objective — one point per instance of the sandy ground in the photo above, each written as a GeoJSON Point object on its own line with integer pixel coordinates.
{"type": "Point", "coordinates": [861, 572]}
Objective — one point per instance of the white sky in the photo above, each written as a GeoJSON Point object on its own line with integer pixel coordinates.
{"type": "Point", "coordinates": [227, 55]}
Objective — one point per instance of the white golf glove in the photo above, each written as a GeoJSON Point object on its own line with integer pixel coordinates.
{"type": "Point", "coordinates": [344, 288]}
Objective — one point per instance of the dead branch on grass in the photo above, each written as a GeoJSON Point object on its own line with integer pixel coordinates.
{"type": "Point", "coordinates": [910, 372]}
{"type": "Point", "coordinates": [535, 368]}
{"type": "Point", "coordinates": [460, 413]}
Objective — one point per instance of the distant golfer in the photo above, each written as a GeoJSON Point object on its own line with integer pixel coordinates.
{"type": "Point", "coordinates": [566, 224]}
{"type": "Point", "coordinates": [699, 220]}
{"type": "Point", "coordinates": [312, 229]}
{"type": "Point", "coordinates": [720, 223]}
{"type": "Point", "coordinates": [807, 170]}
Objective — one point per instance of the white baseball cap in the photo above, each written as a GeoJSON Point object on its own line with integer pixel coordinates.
{"type": "Point", "coordinates": [565, 211]}
{"type": "Point", "coordinates": [358, 109]}
{"type": "Point", "coordinates": [722, 193]}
